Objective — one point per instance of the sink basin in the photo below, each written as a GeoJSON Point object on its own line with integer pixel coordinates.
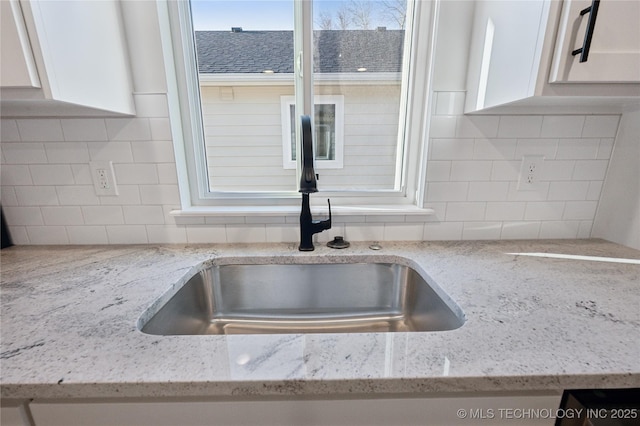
{"type": "Point", "coordinates": [304, 298]}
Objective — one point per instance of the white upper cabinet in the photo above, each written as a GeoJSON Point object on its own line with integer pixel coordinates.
{"type": "Point", "coordinates": [66, 57]}
{"type": "Point", "coordinates": [614, 42]}
{"type": "Point", "coordinates": [521, 57]}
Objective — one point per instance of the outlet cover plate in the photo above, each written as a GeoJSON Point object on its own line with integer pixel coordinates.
{"type": "Point", "coordinates": [104, 179]}
{"type": "Point", "coordinates": [531, 173]}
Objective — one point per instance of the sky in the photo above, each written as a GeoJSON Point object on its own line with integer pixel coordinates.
{"type": "Point", "coordinates": [258, 14]}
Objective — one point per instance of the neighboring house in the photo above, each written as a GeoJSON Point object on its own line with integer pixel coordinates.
{"type": "Point", "coordinates": [246, 80]}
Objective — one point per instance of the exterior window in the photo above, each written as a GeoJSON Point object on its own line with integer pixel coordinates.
{"type": "Point", "coordinates": [328, 132]}
{"type": "Point", "coordinates": [244, 79]}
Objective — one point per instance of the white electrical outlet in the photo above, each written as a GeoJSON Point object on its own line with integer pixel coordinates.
{"type": "Point", "coordinates": [104, 179]}
{"type": "Point", "coordinates": [531, 170]}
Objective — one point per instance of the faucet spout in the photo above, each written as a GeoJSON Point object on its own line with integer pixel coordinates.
{"type": "Point", "coordinates": [308, 185]}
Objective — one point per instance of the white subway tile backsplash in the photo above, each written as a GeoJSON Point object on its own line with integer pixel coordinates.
{"type": "Point", "coordinates": [19, 235]}
{"type": "Point", "coordinates": [40, 235]}
{"type": "Point", "coordinates": [206, 234]}
{"type": "Point", "coordinates": [544, 147]}
{"type": "Point", "coordinates": [143, 215]}
{"type": "Point", "coordinates": [558, 170]}
{"type": "Point", "coordinates": [563, 126]}
{"type": "Point", "coordinates": [438, 171]}
{"type": "Point", "coordinates": [40, 130]}
{"type": "Point", "coordinates": [403, 232]}
{"type": "Point", "coordinates": [360, 232]}
{"type": "Point", "coordinates": [153, 152]}
{"type": "Point", "coordinates": [568, 191]}
{"type": "Point", "coordinates": [465, 211]}
{"type": "Point", "coordinates": [118, 152]}
{"type": "Point", "coordinates": [103, 215]}
{"type": "Point", "coordinates": [289, 233]}
{"type": "Point", "coordinates": [151, 105]}
{"type": "Point", "coordinates": [82, 174]}
{"type": "Point", "coordinates": [505, 170]}
{"type": "Point", "coordinates": [67, 152]}
{"type": "Point", "coordinates": [12, 174]}
{"type": "Point", "coordinates": [481, 230]}
{"type": "Point", "coordinates": [246, 234]}
{"type": "Point", "coordinates": [538, 210]}
{"type": "Point", "coordinates": [36, 195]}
{"type": "Point", "coordinates": [472, 174]}
{"type": "Point", "coordinates": [167, 174]}
{"type": "Point", "coordinates": [600, 126]}
{"type": "Point", "coordinates": [559, 229]}
{"type": "Point", "coordinates": [442, 231]}
{"type": "Point", "coordinates": [24, 153]}
{"type": "Point", "coordinates": [87, 234]}
{"type": "Point", "coordinates": [520, 126]}
{"type": "Point", "coordinates": [580, 210]}
{"type": "Point", "coordinates": [23, 216]}
{"type": "Point", "coordinates": [136, 174]}
{"type": "Point", "coordinates": [451, 149]}
{"type": "Point", "coordinates": [84, 129]}
{"type": "Point", "coordinates": [577, 149]}
{"type": "Point", "coordinates": [9, 131]}
{"type": "Point", "coordinates": [128, 129]}
{"type": "Point", "coordinates": [595, 188]}
{"type": "Point", "coordinates": [8, 196]}
{"type": "Point", "coordinates": [584, 230]}
{"type": "Point", "coordinates": [51, 174]}
{"type": "Point", "coordinates": [166, 234]}
{"type": "Point", "coordinates": [77, 195]}
{"type": "Point", "coordinates": [494, 149]}
{"type": "Point", "coordinates": [505, 211]}
{"type": "Point", "coordinates": [160, 129]}
{"type": "Point", "coordinates": [477, 126]}
{"type": "Point", "coordinates": [605, 148]}
{"type": "Point", "coordinates": [127, 234]}
{"type": "Point", "coordinates": [159, 194]}
{"type": "Point", "coordinates": [590, 169]}
{"type": "Point", "coordinates": [520, 230]}
{"type": "Point", "coordinates": [488, 191]}
{"type": "Point", "coordinates": [128, 195]}
{"type": "Point", "coordinates": [447, 191]}
{"type": "Point", "coordinates": [470, 170]}
{"type": "Point", "coordinates": [62, 215]}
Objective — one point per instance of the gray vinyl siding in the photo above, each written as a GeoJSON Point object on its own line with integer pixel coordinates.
{"type": "Point", "coordinates": [244, 140]}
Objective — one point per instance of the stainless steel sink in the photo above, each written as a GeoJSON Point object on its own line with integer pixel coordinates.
{"type": "Point", "coordinates": [304, 298]}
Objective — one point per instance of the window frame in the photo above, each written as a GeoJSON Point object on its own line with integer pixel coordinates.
{"type": "Point", "coordinates": [178, 46]}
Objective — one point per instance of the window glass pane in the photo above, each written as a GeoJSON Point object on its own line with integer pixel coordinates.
{"type": "Point", "coordinates": [324, 134]}
{"type": "Point", "coordinates": [358, 53]}
{"type": "Point", "coordinates": [245, 63]}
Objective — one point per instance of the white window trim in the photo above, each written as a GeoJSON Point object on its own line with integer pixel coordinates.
{"type": "Point", "coordinates": [285, 105]}
{"type": "Point", "coordinates": [186, 126]}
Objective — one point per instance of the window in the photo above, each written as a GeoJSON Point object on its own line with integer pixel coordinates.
{"type": "Point", "coordinates": [238, 89]}
{"type": "Point", "coordinates": [328, 132]}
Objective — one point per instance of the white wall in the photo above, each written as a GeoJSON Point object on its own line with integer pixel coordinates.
{"type": "Point", "coordinates": [48, 197]}
{"type": "Point", "coordinates": [618, 216]}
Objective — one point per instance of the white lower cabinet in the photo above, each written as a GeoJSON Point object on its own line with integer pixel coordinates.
{"type": "Point", "coordinates": [468, 411]}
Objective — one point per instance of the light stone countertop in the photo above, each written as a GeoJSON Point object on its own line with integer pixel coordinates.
{"type": "Point", "coordinates": [69, 315]}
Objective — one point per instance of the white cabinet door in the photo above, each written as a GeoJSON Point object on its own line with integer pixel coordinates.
{"type": "Point", "coordinates": [614, 56]}
{"type": "Point", "coordinates": [17, 65]}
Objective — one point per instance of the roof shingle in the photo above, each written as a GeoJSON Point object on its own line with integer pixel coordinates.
{"type": "Point", "coordinates": [336, 51]}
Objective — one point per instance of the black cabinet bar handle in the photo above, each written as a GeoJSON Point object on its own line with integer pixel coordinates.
{"type": "Point", "coordinates": [591, 24]}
